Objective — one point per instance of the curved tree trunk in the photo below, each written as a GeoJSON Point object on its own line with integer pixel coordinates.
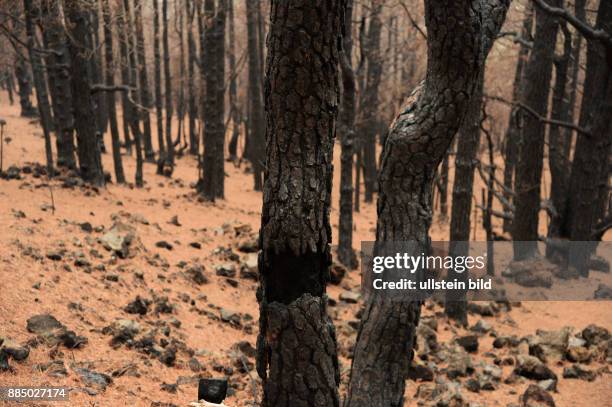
{"type": "Point", "coordinates": [417, 142]}
{"type": "Point", "coordinates": [297, 358]}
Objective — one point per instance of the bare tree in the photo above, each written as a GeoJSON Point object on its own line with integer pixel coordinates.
{"type": "Point", "coordinates": [143, 85]}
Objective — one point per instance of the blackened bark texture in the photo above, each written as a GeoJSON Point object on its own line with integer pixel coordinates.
{"type": "Point", "coordinates": [559, 140]}
{"type": "Point", "coordinates": [346, 131]}
{"type": "Point", "coordinates": [133, 80]}
{"type": "Point", "coordinates": [159, 103]}
{"type": "Point", "coordinates": [415, 145]}
{"type": "Point", "coordinates": [233, 89]}
{"type": "Point", "coordinates": [211, 185]}
{"type": "Point", "coordinates": [297, 358]}
{"type": "Point", "coordinates": [513, 132]}
{"type": "Point", "coordinates": [24, 87]}
{"type": "Point", "coordinates": [40, 84]}
{"type": "Point", "coordinates": [255, 149]}
{"type": "Point", "coordinates": [536, 88]}
{"type": "Point", "coordinates": [180, 103]}
{"type": "Point", "coordinates": [443, 184]}
{"type": "Point", "coordinates": [169, 162]}
{"type": "Point", "coordinates": [370, 100]}
{"type": "Point", "coordinates": [466, 158]}
{"type": "Point", "coordinates": [191, 91]}
{"type": "Point", "coordinates": [58, 64]}
{"type": "Point", "coordinates": [88, 146]}
{"type": "Point", "coordinates": [110, 96]}
{"type": "Point", "coordinates": [143, 78]}
{"type": "Point", "coordinates": [96, 75]}
{"type": "Point", "coordinates": [125, 72]}
{"type": "Point", "coordinates": [590, 168]}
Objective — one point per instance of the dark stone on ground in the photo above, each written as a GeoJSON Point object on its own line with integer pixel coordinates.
{"type": "Point", "coordinates": [468, 342]}
{"type": "Point", "coordinates": [535, 396]}
{"type": "Point", "coordinates": [138, 306]}
{"type": "Point", "coordinates": [212, 390]}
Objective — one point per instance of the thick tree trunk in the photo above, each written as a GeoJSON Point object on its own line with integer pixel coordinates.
{"type": "Point", "coordinates": [124, 41]}
{"type": "Point", "coordinates": [513, 132]}
{"type": "Point", "coordinates": [211, 186]}
{"type": "Point", "coordinates": [40, 84]}
{"type": "Point", "coordinates": [169, 164]}
{"type": "Point", "coordinates": [159, 103]}
{"type": "Point", "coordinates": [536, 88]}
{"type": "Point", "coordinates": [468, 141]}
{"type": "Point", "coordinates": [145, 94]}
{"type": "Point", "coordinates": [370, 101]}
{"type": "Point", "coordinates": [590, 168]}
{"type": "Point", "coordinates": [233, 89]}
{"type": "Point", "coordinates": [191, 91]}
{"type": "Point", "coordinates": [88, 146]}
{"type": "Point", "coordinates": [110, 96]}
{"type": "Point", "coordinates": [417, 142]}
{"type": "Point", "coordinates": [297, 358]}
{"type": "Point", "coordinates": [346, 130]}
{"type": "Point", "coordinates": [256, 150]}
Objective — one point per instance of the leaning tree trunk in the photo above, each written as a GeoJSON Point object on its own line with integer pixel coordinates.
{"type": "Point", "coordinates": [233, 92]}
{"type": "Point", "coordinates": [211, 185]}
{"type": "Point", "coordinates": [110, 96]}
{"type": "Point", "coordinates": [536, 88]}
{"type": "Point", "coordinates": [296, 343]}
{"type": "Point", "coordinates": [145, 94]}
{"type": "Point", "coordinates": [125, 73]}
{"type": "Point", "coordinates": [159, 107]}
{"type": "Point", "coordinates": [88, 146]}
{"type": "Point", "coordinates": [40, 85]}
{"type": "Point", "coordinates": [513, 132]}
{"type": "Point", "coordinates": [370, 101]}
{"type": "Point", "coordinates": [168, 91]}
{"type": "Point", "coordinates": [468, 141]}
{"type": "Point", "coordinates": [346, 129]}
{"type": "Point", "coordinates": [417, 142]}
{"type": "Point", "coordinates": [58, 64]}
{"type": "Point", "coordinates": [255, 152]}
{"type": "Point", "coordinates": [590, 168]}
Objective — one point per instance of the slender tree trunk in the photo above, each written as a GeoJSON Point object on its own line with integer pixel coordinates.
{"type": "Point", "coordinates": [416, 143]}
{"type": "Point", "coordinates": [513, 132]}
{"type": "Point", "coordinates": [40, 85]}
{"type": "Point", "coordinates": [468, 140]}
{"type": "Point", "coordinates": [110, 96]}
{"type": "Point", "coordinates": [24, 87]}
{"type": "Point", "coordinates": [296, 343]}
{"type": "Point", "coordinates": [443, 185]}
{"type": "Point", "coordinates": [233, 92]}
{"type": "Point", "coordinates": [168, 91]}
{"type": "Point", "coordinates": [159, 103]}
{"type": "Point", "coordinates": [90, 161]}
{"type": "Point", "coordinates": [180, 105]}
{"type": "Point", "coordinates": [370, 101]}
{"type": "Point", "coordinates": [145, 94]}
{"type": "Point", "coordinates": [97, 75]}
{"type": "Point", "coordinates": [124, 41]}
{"type": "Point", "coordinates": [191, 94]}
{"type": "Point", "coordinates": [8, 83]}
{"type": "Point", "coordinates": [346, 129]}
{"type": "Point", "coordinates": [536, 88]}
{"type": "Point", "coordinates": [256, 141]}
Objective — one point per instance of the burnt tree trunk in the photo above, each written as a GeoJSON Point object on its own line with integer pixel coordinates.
{"type": "Point", "coordinates": [415, 145]}
{"type": "Point", "coordinates": [169, 162]}
{"type": "Point", "coordinates": [536, 88]}
{"type": "Point", "coordinates": [256, 150]}
{"type": "Point", "coordinates": [346, 130]}
{"type": "Point", "coordinates": [296, 343]}
{"type": "Point", "coordinates": [443, 184]}
{"type": "Point", "coordinates": [370, 101]}
{"type": "Point", "coordinates": [191, 91]}
{"type": "Point", "coordinates": [126, 109]}
{"type": "Point", "coordinates": [40, 84]}
{"type": "Point", "coordinates": [466, 158]}
{"type": "Point", "coordinates": [159, 103]}
{"type": "Point", "coordinates": [211, 185]}
{"type": "Point", "coordinates": [180, 104]}
{"type": "Point", "coordinates": [145, 94]}
{"type": "Point", "coordinates": [233, 91]}
{"type": "Point", "coordinates": [88, 146]}
{"type": "Point", "coordinates": [96, 75]}
{"type": "Point", "coordinates": [110, 96]}
{"type": "Point", "coordinates": [513, 132]}
{"type": "Point", "coordinates": [24, 87]}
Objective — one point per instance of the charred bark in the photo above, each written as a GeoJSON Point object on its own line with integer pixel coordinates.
{"type": "Point", "coordinates": [143, 78]}
{"type": "Point", "coordinates": [124, 41]}
{"type": "Point", "coordinates": [169, 162]}
{"type": "Point", "coordinates": [233, 92]}
{"type": "Point", "coordinates": [191, 94]}
{"type": "Point", "coordinates": [159, 103]}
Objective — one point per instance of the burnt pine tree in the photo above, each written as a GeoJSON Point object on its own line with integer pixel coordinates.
{"type": "Point", "coordinates": [211, 185]}
{"type": "Point", "coordinates": [296, 342]}
{"type": "Point", "coordinates": [346, 130]}
{"type": "Point", "coordinates": [110, 96]}
{"type": "Point", "coordinates": [370, 100]}
{"type": "Point", "coordinates": [191, 91]}
{"type": "Point", "coordinates": [159, 103]}
{"type": "Point", "coordinates": [255, 150]}
{"type": "Point", "coordinates": [233, 89]}
{"type": "Point", "coordinates": [125, 72]}
{"type": "Point", "coordinates": [513, 130]}
{"type": "Point", "coordinates": [169, 162]}
{"type": "Point", "coordinates": [42, 99]}
{"type": "Point", "coordinates": [24, 84]}
{"type": "Point", "coordinates": [536, 88]}
{"type": "Point", "coordinates": [415, 146]}
{"type": "Point", "coordinates": [88, 146]}
{"type": "Point", "coordinates": [58, 64]}
{"type": "Point", "coordinates": [143, 85]}
{"type": "Point", "coordinates": [180, 103]}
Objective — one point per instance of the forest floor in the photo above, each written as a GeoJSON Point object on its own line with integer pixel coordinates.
{"type": "Point", "coordinates": [191, 265]}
